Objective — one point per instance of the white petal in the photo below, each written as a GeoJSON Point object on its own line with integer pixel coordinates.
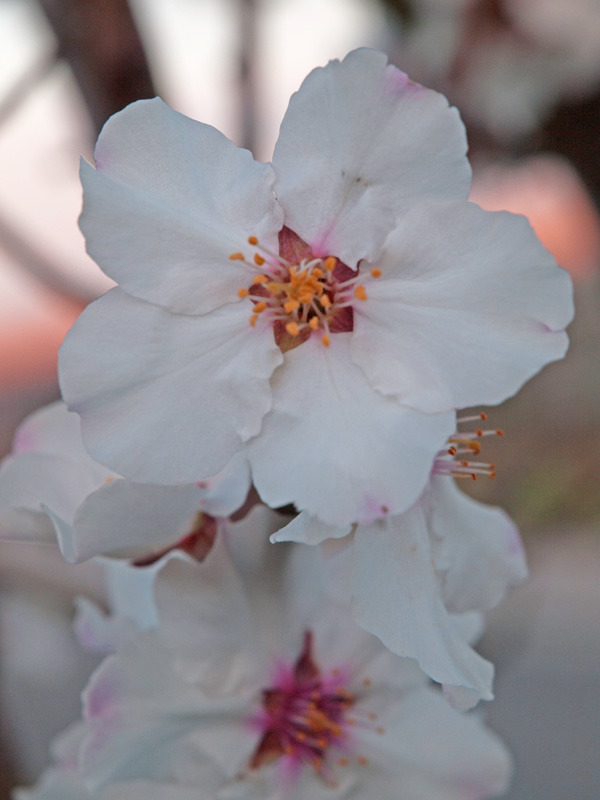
{"type": "Point", "coordinates": [397, 596]}
{"type": "Point", "coordinates": [206, 620]}
{"type": "Point", "coordinates": [191, 388]}
{"type": "Point", "coordinates": [133, 519]}
{"type": "Point", "coordinates": [170, 201]}
{"type": "Point", "coordinates": [469, 306]}
{"type": "Point", "coordinates": [98, 632]}
{"type": "Point", "coordinates": [454, 751]}
{"type": "Point", "coordinates": [309, 530]}
{"type": "Point", "coordinates": [138, 711]}
{"type": "Point", "coordinates": [34, 481]}
{"type": "Point", "coordinates": [477, 549]}
{"type": "Point", "coordinates": [335, 447]}
{"type": "Point", "coordinates": [359, 145]}
{"type": "Point", "coordinates": [52, 429]}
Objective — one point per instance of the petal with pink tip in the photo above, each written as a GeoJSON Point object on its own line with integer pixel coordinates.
{"type": "Point", "coordinates": [360, 145]}
{"type": "Point", "coordinates": [169, 201]}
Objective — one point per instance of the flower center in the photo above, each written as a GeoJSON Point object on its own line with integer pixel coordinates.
{"type": "Point", "coordinates": [305, 715]}
{"type": "Point", "coordinates": [300, 294]}
{"type": "Point", "coordinates": [197, 543]}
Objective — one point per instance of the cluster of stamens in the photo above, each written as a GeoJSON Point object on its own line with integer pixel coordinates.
{"type": "Point", "coordinates": [456, 461]}
{"type": "Point", "coordinates": [303, 297]}
{"type": "Point", "coordinates": [306, 715]}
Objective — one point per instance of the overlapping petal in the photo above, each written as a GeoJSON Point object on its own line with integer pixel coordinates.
{"type": "Point", "coordinates": [361, 144]}
{"type": "Point", "coordinates": [397, 596]}
{"type": "Point", "coordinates": [193, 387]}
{"type": "Point", "coordinates": [189, 198]}
{"type": "Point", "coordinates": [476, 548]}
{"type": "Point", "coordinates": [335, 447]}
{"type": "Point", "coordinates": [469, 306]}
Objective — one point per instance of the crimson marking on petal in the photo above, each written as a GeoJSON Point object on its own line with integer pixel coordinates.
{"type": "Point", "coordinates": [197, 543]}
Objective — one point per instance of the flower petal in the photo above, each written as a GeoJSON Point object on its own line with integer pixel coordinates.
{"type": "Point", "coordinates": [335, 447]}
{"type": "Point", "coordinates": [476, 548]}
{"type": "Point", "coordinates": [397, 596]}
{"type": "Point", "coordinates": [309, 530]}
{"type": "Point", "coordinates": [190, 388]}
{"type": "Point", "coordinates": [131, 519]}
{"type": "Point", "coordinates": [469, 306]}
{"type": "Point", "coordinates": [361, 144]}
{"type": "Point", "coordinates": [455, 752]}
{"type": "Point", "coordinates": [170, 200]}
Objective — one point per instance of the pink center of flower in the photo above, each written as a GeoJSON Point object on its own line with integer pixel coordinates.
{"type": "Point", "coordinates": [301, 294]}
{"type": "Point", "coordinates": [306, 715]}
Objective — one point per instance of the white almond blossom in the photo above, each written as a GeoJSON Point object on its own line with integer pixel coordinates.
{"type": "Point", "coordinates": [323, 314]}
{"type": "Point", "coordinates": [407, 576]}
{"type": "Point", "coordinates": [287, 698]}
{"type": "Point", "coordinates": [51, 489]}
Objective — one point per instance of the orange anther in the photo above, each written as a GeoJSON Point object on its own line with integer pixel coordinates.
{"type": "Point", "coordinates": [452, 451]}
{"type": "Point", "coordinates": [363, 761]}
{"type": "Point", "coordinates": [499, 433]}
{"type": "Point", "coordinates": [325, 301]}
{"type": "Point", "coordinates": [253, 319]}
{"type": "Point", "coordinates": [376, 272]}
{"type": "Point", "coordinates": [474, 476]}
{"type": "Point", "coordinates": [290, 306]}
{"type": "Point", "coordinates": [322, 742]}
{"type": "Point", "coordinates": [492, 474]}
{"type": "Point", "coordinates": [260, 307]}
{"type": "Point", "coordinates": [483, 416]}
{"type": "Point", "coordinates": [479, 432]}
{"type": "Point", "coordinates": [292, 328]}
{"type": "Point", "coordinates": [260, 279]}
{"type": "Point", "coordinates": [317, 273]}
{"type": "Point", "coordinates": [325, 340]}
{"type": "Point", "coordinates": [252, 240]}
{"type": "Point", "coordinates": [380, 731]}
{"type": "Point", "coordinates": [342, 762]}
{"type": "Point", "coordinates": [258, 260]}
{"type": "Point", "coordinates": [242, 292]}
{"type": "Point", "coordinates": [360, 292]}
{"type": "Point", "coordinates": [237, 257]}
{"type": "Point", "coordinates": [329, 264]}
{"type": "Point", "coordinates": [301, 736]}
{"type": "Point", "coordinates": [314, 323]}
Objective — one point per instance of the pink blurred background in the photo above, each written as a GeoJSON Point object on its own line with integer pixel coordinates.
{"type": "Point", "coordinates": [525, 75]}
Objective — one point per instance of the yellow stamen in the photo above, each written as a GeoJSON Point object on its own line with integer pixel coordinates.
{"type": "Point", "coordinates": [253, 319]}
{"type": "Point", "coordinates": [325, 301]}
{"type": "Point", "coordinates": [376, 272]}
{"type": "Point", "coordinates": [260, 307]}
{"type": "Point", "coordinates": [260, 279]}
{"type": "Point", "coordinates": [243, 292]}
{"type": "Point", "coordinates": [290, 306]}
{"type": "Point", "coordinates": [314, 323]}
{"type": "Point", "coordinates": [252, 240]}
{"type": "Point", "coordinates": [330, 264]}
{"type": "Point", "coordinates": [360, 293]}
{"type": "Point", "coordinates": [237, 257]}
{"type": "Point", "coordinates": [258, 260]}
{"type": "Point", "coordinates": [292, 328]}
{"type": "Point", "coordinates": [325, 340]}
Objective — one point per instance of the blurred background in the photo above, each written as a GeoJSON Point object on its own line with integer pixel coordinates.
{"type": "Point", "coordinates": [525, 75]}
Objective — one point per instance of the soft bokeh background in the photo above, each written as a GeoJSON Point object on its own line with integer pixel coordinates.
{"type": "Point", "coordinates": [526, 77]}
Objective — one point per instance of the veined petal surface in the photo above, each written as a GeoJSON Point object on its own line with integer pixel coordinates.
{"type": "Point", "coordinates": [335, 447]}
{"type": "Point", "coordinates": [361, 144]}
{"type": "Point", "coordinates": [397, 596]}
{"type": "Point", "coordinates": [468, 307]}
{"type": "Point", "coordinates": [476, 548]}
{"type": "Point", "coordinates": [169, 201]}
{"type": "Point", "coordinates": [190, 389]}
